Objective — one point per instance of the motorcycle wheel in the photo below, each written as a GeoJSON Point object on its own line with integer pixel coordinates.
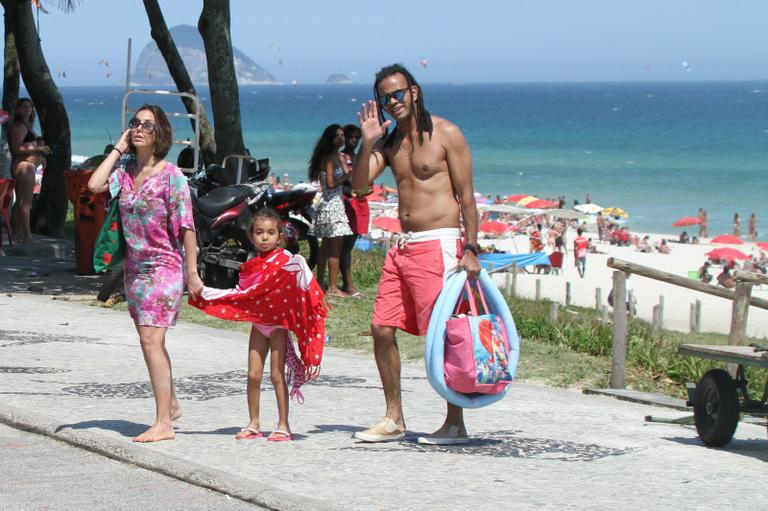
{"type": "Point", "coordinates": [225, 278]}
{"type": "Point", "coordinates": [306, 245]}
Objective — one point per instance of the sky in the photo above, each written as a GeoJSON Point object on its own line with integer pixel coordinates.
{"type": "Point", "coordinates": [461, 42]}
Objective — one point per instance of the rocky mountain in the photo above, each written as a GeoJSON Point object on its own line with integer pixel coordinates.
{"type": "Point", "coordinates": [338, 78]}
{"type": "Point", "coordinates": [151, 68]}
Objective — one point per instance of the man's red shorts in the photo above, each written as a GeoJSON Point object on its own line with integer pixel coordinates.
{"type": "Point", "coordinates": [412, 278]}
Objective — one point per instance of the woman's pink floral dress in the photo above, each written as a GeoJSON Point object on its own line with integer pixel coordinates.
{"type": "Point", "coordinates": [154, 218]}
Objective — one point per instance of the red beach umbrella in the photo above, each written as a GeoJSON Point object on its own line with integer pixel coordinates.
{"type": "Point", "coordinates": [727, 238]}
{"type": "Point", "coordinates": [541, 204]}
{"type": "Point", "coordinates": [687, 220]}
{"type": "Point", "coordinates": [763, 245]}
{"type": "Point", "coordinates": [726, 254]}
{"type": "Point", "coordinates": [387, 223]}
{"type": "Point", "coordinates": [494, 227]}
{"type": "Point", "coordinates": [515, 198]}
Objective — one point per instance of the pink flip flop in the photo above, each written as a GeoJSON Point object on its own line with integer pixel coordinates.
{"type": "Point", "coordinates": [248, 434]}
{"type": "Point", "coordinates": [280, 436]}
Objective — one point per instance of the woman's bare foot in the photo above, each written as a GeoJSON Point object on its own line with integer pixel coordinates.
{"type": "Point", "coordinates": [159, 431]}
{"type": "Point", "coordinates": [176, 411]}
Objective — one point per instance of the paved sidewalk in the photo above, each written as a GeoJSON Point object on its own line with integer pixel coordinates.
{"type": "Point", "coordinates": [77, 372]}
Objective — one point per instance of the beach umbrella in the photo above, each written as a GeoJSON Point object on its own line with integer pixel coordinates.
{"type": "Point", "coordinates": [726, 254]}
{"type": "Point", "coordinates": [515, 198]}
{"type": "Point", "coordinates": [387, 223]}
{"type": "Point", "coordinates": [590, 209]}
{"type": "Point", "coordinates": [727, 238]}
{"type": "Point", "coordinates": [493, 227]}
{"type": "Point", "coordinates": [686, 221]}
{"type": "Point", "coordinates": [527, 200]}
{"type": "Point", "coordinates": [504, 208]}
{"type": "Point", "coordinates": [541, 204]}
{"type": "Point", "coordinates": [567, 214]}
{"type": "Point", "coordinates": [763, 245]}
{"type": "Point", "coordinates": [615, 211]}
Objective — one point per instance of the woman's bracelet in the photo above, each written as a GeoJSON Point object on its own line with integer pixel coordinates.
{"type": "Point", "coordinates": [118, 150]}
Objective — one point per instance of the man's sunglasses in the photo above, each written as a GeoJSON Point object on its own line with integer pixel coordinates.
{"type": "Point", "coordinates": [146, 126]}
{"type": "Point", "coordinates": [398, 96]}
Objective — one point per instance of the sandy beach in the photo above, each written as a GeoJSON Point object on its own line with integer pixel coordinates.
{"type": "Point", "coordinates": [715, 314]}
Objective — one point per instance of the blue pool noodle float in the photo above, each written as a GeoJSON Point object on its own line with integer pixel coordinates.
{"type": "Point", "coordinates": [434, 347]}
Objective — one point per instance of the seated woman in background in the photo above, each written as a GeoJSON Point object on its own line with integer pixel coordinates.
{"type": "Point", "coordinates": [684, 237]}
{"type": "Point", "coordinates": [664, 247]}
{"type": "Point", "coordinates": [725, 278]}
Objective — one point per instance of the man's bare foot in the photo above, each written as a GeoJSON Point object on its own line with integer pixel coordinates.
{"type": "Point", "coordinates": [159, 431]}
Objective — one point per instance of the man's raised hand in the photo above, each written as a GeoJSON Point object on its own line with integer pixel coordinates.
{"type": "Point", "coordinates": [370, 125]}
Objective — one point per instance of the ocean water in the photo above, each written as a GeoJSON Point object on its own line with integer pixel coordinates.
{"type": "Point", "coordinates": [658, 150]}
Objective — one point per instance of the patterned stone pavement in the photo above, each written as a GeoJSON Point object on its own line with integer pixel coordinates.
{"type": "Point", "coordinates": [80, 367]}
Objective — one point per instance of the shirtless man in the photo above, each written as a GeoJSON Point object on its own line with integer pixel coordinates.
{"type": "Point", "coordinates": [432, 166]}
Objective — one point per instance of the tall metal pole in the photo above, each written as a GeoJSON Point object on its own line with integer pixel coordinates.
{"type": "Point", "coordinates": [128, 68]}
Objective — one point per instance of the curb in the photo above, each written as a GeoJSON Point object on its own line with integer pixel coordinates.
{"type": "Point", "coordinates": [645, 398]}
{"type": "Point", "coordinates": [59, 249]}
{"type": "Point", "coordinates": [190, 472]}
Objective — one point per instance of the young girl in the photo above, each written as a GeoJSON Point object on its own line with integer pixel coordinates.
{"type": "Point", "coordinates": [276, 292]}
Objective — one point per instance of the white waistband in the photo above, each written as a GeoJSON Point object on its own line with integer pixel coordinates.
{"type": "Point", "coordinates": [446, 233]}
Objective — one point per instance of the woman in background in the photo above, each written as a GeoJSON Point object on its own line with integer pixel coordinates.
{"type": "Point", "coordinates": [27, 152]}
{"type": "Point", "coordinates": [330, 222]}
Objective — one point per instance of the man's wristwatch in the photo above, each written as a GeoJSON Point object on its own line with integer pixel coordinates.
{"type": "Point", "coordinates": [472, 247]}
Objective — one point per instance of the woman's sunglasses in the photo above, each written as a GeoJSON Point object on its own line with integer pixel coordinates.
{"type": "Point", "coordinates": [146, 126]}
{"type": "Point", "coordinates": [398, 96]}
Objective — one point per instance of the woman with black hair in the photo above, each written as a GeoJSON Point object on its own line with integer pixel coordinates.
{"type": "Point", "coordinates": [330, 222]}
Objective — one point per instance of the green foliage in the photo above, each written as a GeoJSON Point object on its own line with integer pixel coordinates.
{"type": "Point", "coordinates": [649, 352]}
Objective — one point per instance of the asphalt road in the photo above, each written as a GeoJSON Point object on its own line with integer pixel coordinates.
{"type": "Point", "coordinates": [37, 472]}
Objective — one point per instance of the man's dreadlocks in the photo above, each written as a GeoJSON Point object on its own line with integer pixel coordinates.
{"type": "Point", "coordinates": [423, 118]}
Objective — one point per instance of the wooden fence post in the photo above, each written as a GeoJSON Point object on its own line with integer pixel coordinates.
{"type": "Point", "coordinates": [619, 351]}
{"type": "Point", "coordinates": [692, 323]}
{"type": "Point", "coordinates": [739, 314]}
{"type": "Point", "coordinates": [698, 316]}
{"type": "Point", "coordinates": [598, 299]}
{"type": "Point", "coordinates": [508, 284]}
{"type": "Point", "coordinates": [514, 279]}
{"type": "Point", "coordinates": [538, 289]}
{"type": "Point", "coordinates": [567, 293]}
{"type": "Point", "coordinates": [553, 312]}
{"type": "Point", "coordinates": [661, 312]}
{"type": "Point", "coordinates": [655, 319]}
{"type": "Point", "coordinates": [604, 314]}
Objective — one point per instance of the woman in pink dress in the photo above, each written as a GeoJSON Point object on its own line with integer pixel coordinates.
{"type": "Point", "coordinates": [156, 212]}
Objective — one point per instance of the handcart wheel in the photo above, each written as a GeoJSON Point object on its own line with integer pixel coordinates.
{"type": "Point", "coordinates": [716, 408]}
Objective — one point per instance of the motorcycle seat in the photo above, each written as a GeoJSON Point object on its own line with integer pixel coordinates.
{"type": "Point", "coordinates": [220, 199]}
{"type": "Point", "coordinates": [287, 196]}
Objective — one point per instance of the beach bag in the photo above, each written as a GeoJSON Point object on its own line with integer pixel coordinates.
{"type": "Point", "coordinates": [476, 356]}
{"type": "Point", "coordinates": [110, 243]}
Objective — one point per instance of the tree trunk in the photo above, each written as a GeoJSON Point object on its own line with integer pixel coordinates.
{"type": "Point", "coordinates": [178, 70]}
{"type": "Point", "coordinates": [51, 211]}
{"type": "Point", "coordinates": [225, 98]}
{"type": "Point", "coordinates": [11, 64]}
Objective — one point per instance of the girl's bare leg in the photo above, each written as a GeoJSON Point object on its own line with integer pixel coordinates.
{"type": "Point", "coordinates": [153, 347]}
{"type": "Point", "coordinates": [258, 347]}
{"type": "Point", "coordinates": [334, 252]}
{"type": "Point", "coordinates": [278, 344]}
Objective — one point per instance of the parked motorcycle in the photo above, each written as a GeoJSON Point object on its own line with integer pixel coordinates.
{"type": "Point", "coordinates": [222, 215]}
